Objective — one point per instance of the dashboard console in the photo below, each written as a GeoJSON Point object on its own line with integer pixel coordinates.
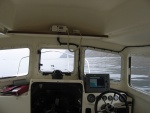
{"type": "Point", "coordinates": [75, 96]}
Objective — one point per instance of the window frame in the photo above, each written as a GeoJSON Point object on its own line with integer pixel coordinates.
{"type": "Point", "coordinates": [130, 72]}
{"type": "Point", "coordinates": [107, 51]}
{"type": "Point", "coordinates": [75, 69]}
{"type": "Point", "coordinates": [4, 79]}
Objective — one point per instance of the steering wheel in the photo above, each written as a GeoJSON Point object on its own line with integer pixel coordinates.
{"type": "Point", "coordinates": [57, 74]}
{"type": "Point", "coordinates": [109, 107]}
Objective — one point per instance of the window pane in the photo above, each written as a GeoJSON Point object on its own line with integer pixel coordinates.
{"type": "Point", "coordinates": [14, 62]}
{"type": "Point", "coordinates": [103, 63]}
{"type": "Point", "coordinates": [56, 59]}
{"type": "Point", "coordinates": [140, 72]}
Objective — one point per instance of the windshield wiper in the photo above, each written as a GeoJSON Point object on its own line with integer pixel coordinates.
{"type": "Point", "coordinates": [8, 77]}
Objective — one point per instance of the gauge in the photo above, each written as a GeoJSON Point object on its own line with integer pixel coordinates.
{"type": "Point", "coordinates": [110, 98]}
{"type": "Point", "coordinates": [116, 97]}
{"type": "Point", "coordinates": [104, 98]}
{"type": "Point", "coordinates": [91, 98]}
{"type": "Point", "coordinates": [121, 99]}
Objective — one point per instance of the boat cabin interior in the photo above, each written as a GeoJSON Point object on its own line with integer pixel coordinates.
{"type": "Point", "coordinates": [74, 56]}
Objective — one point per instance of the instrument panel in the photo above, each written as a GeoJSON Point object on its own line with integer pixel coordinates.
{"type": "Point", "coordinates": [91, 97]}
{"type": "Point", "coordinates": [100, 98]}
{"type": "Point", "coordinates": [111, 98]}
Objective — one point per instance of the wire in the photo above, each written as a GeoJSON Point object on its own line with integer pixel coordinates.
{"type": "Point", "coordinates": [119, 51]}
{"type": "Point", "coordinates": [63, 43]}
{"type": "Point", "coordinates": [78, 45]}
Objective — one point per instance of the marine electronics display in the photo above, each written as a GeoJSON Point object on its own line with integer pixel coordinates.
{"type": "Point", "coordinates": [96, 83]}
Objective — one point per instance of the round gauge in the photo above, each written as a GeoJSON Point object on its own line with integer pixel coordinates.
{"type": "Point", "coordinates": [121, 99]}
{"type": "Point", "coordinates": [104, 98]}
{"type": "Point", "coordinates": [91, 98]}
{"type": "Point", "coordinates": [116, 97]}
{"type": "Point", "coordinates": [110, 98]}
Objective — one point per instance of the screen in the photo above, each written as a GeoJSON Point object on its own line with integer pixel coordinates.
{"type": "Point", "coordinates": [97, 83]}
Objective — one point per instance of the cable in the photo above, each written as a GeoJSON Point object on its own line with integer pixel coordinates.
{"type": "Point", "coordinates": [119, 51]}
{"type": "Point", "coordinates": [63, 43]}
{"type": "Point", "coordinates": [78, 45]}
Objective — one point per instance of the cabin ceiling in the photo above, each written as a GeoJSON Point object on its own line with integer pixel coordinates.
{"type": "Point", "coordinates": [126, 22]}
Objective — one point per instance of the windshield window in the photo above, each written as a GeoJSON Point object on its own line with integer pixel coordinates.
{"type": "Point", "coordinates": [56, 59]}
{"type": "Point", "coordinates": [14, 62]}
{"type": "Point", "coordinates": [140, 72]}
{"type": "Point", "coordinates": [98, 62]}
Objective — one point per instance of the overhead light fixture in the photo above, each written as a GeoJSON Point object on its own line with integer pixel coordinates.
{"type": "Point", "coordinates": [3, 30]}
